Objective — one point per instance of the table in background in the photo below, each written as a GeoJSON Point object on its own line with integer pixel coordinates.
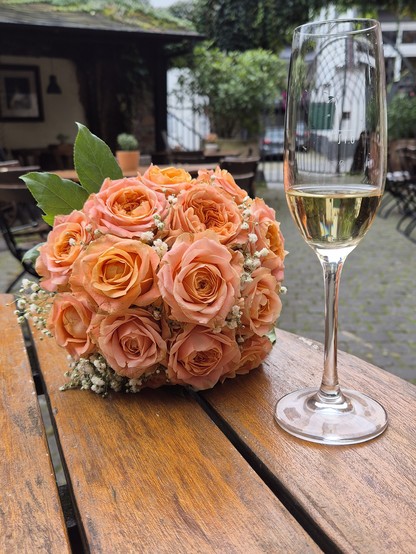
{"type": "Point", "coordinates": [190, 168]}
{"type": "Point", "coordinates": [169, 471]}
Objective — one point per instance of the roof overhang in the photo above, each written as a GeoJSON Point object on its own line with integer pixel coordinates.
{"type": "Point", "coordinates": [37, 22]}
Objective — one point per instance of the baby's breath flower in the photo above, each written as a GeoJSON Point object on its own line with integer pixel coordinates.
{"type": "Point", "coordinates": [146, 236]}
{"type": "Point", "coordinates": [261, 253]}
{"type": "Point", "coordinates": [252, 237]}
{"type": "Point", "coordinates": [160, 247]}
{"type": "Point", "coordinates": [26, 283]}
{"type": "Point", "coordinates": [245, 225]}
{"type": "Point", "coordinates": [97, 381]}
{"type": "Point", "coordinates": [251, 263]}
{"type": "Point", "coordinates": [21, 303]}
{"type": "Point", "coordinates": [246, 278]}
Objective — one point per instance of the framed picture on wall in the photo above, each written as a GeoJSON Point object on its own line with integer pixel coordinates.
{"type": "Point", "coordinates": [20, 93]}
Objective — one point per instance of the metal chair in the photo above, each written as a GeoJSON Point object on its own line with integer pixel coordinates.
{"type": "Point", "coordinates": [407, 191]}
{"type": "Point", "coordinates": [25, 229]}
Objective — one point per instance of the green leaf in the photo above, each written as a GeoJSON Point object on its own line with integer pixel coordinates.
{"type": "Point", "coordinates": [31, 255]}
{"type": "Point", "coordinates": [94, 161]}
{"type": "Point", "coordinates": [271, 335]}
{"type": "Point", "coordinates": [54, 195]}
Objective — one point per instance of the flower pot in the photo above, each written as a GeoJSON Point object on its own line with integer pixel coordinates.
{"type": "Point", "coordinates": [211, 147]}
{"type": "Point", "coordinates": [128, 160]}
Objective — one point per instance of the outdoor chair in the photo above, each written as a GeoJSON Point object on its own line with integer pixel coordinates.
{"type": "Point", "coordinates": [23, 228]}
{"type": "Point", "coordinates": [407, 190]}
{"type": "Point", "coordinates": [9, 163]}
{"type": "Point", "coordinates": [244, 170]}
{"type": "Point", "coordinates": [188, 157]}
{"type": "Point", "coordinates": [161, 158]}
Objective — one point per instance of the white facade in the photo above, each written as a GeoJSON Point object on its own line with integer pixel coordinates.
{"type": "Point", "coordinates": [186, 127]}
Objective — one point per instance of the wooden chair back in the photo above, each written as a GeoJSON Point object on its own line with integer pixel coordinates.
{"type": "Point", "coordinates": [188, 157]}
{"type": "Point", "coordinates": [407, 158]}
{"type": "Point", "coordinates": [241, 168]}
{"type": "Point", "coordinates": [10, 175]}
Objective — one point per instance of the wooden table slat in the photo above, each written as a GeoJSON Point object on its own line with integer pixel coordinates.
{"type": "Point", "coordinates": [152, 473]}
{"type": "Point", "coordinates": [364, 496]}
{"type": "Point", "coordinates": [30, 512]}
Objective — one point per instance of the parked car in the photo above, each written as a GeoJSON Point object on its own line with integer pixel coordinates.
{"type": "Point", "coordinates": [272, 144]}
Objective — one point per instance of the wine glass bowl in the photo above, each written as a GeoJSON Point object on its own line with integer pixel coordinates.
{"type": "Point", "coordinates": [333, 185]}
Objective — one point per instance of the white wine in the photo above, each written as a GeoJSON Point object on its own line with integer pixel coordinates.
{"type": "Point", "coordinates": [333, 216]}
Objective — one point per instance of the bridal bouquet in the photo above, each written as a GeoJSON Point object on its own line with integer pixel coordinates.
{"type": "Point", "coordinates": [156, 279]}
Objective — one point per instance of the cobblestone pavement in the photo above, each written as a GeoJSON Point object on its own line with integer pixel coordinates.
{"type": "Point", "coordinates": [377, 312]}
{"type": "Point", "coordinates": [377, 304]}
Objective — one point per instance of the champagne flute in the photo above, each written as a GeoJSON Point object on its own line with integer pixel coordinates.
{"type": "Point", "coordinates": [334, 179]}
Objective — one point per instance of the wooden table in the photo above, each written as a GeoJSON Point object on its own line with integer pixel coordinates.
{"type": "Point", "coordinates": [167, 471]}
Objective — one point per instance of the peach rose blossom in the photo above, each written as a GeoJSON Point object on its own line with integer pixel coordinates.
{"type": "Point", "coordinates": [130, 342]}
{"type": "Point", "coordinates": [253, 351]}
{"type": "Point", "coordinates": [117, 273]}
{"type": "Point", "coordinates": [200, 357]}
{"type": "Point", "coordinates": [126, 208]}
{"type": "Point", "coordinates": [69, 321]}
{"type": "Point", "coordinates": [64, 244]}
{"type": "Point", "coordinates": [170, 180]}
{"type": "Point", "coordinates": [269, 236]}
{"type": "Point", "coordinates": [262, 304]}
{"type": "Point", "coordinates": [199, 279]}
{"type": "Point", "coordinates": [206, 207]}
{"type": "Point", "coordinates": [223, 179]}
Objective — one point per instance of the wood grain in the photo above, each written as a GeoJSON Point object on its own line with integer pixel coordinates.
{"type": "Point", "coordinates": [363, 497]}
{"type": "Point", "coordinates": [30, 513]}
{"type": "Point", "coordinates": [151, 473]}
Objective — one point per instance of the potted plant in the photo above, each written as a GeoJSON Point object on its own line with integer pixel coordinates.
{"type": "Point", "coordinates": [128, 154]}
{"type": "Point", "coordinates": [235, 90]}
{"type": "Point", "coordinates": [211, 143]}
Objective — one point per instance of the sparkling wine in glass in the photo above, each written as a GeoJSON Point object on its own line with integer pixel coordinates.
{"type": "Point", "coordinates": [334, 173]}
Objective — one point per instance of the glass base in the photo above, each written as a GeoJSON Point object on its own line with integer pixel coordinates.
{"type": "Point", "coordinates": [350, 418]}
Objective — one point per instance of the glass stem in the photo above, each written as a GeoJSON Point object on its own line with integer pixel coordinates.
{"type": "Point", "coordinates": [330, 390]}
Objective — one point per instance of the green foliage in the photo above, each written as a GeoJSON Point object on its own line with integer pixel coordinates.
{"type": "Point", "coordinates": [401, 117]}
{"type": "Point", "coordinates": [127, 142]}
{"type": "Point", "coordinates": [237, 87]}
{"type": "Point", "coordinates": [94, 162]}
{"type": "Point", "coordinates": [250, 24]}
{"type": "Point", "coordinates": [54, 195]}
